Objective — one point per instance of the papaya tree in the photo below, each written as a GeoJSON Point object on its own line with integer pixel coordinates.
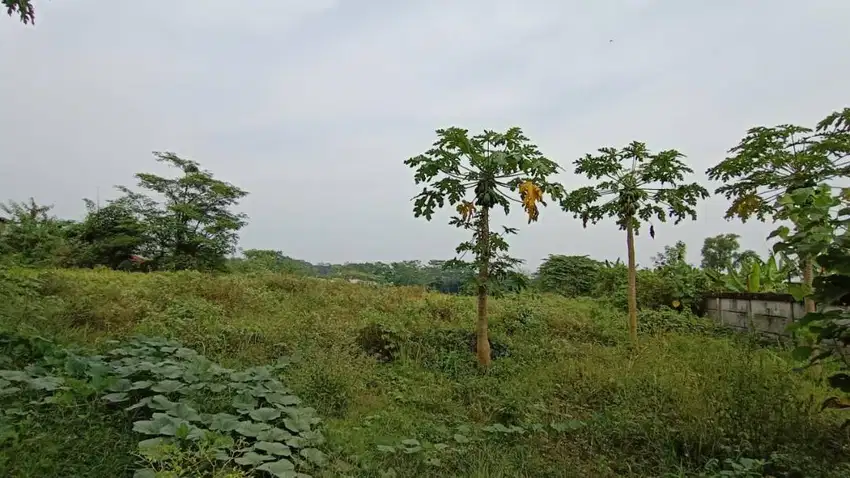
{"type": "Point", "coordinates": [476, 174]}
{"type": "Point", "coordinates": [822, 229]}
{"type": "Point", "coordinates": [634, 186]}
{"type": "Point", "coordinates": [772, 161]}
{"type": "Point", "coordinates": [22, 8]}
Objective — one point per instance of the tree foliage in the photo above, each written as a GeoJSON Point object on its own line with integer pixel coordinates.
{"type": "Point", "coordinates": [191, 224]}
{"type": "Point", "coordinates": [720, 252]}
{"type": "Point", "coordinates": [476, 174]}
{"type": "Point", "coordinates": [108, 236]}
{"type": "Point", "coordinates": [639, 186]}
{"type": "Point", "coordinates": [23, 8]}
{"type": "Point", "coordinates": [770, 161]}
{"type": "Point", "coordinates": [634, 186]}
{"type": "Point", "coordinates": [31, 236]}
{"type": "Point", "coordinates": [822, 229]}
{"type": "Point", "coordinates": [571, 276]}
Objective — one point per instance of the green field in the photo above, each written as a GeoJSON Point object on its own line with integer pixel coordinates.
{"type": "Point", "coordinates": [566, 395]}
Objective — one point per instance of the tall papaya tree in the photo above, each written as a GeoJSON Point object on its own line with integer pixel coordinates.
{"type": "Point", "coordinates": [770, 162]}
{"type": "Point", "coordinates": [475, 174]}
{"type": "Point", "coordinates": [634, 186]}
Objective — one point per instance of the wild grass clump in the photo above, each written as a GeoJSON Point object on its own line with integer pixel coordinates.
{"type": "Point", "coordinates": [391, 372]}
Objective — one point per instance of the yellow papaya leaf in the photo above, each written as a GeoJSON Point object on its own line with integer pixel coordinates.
{"type": "Point", "coordinates": [676, 303]}
{"type": "Point", "coordinates": [530, 194]}
{"type": "Point", "coordinates": [466, 209]}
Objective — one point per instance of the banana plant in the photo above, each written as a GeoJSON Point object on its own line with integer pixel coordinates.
{"type": "Point", "coordinates": [753, 276]}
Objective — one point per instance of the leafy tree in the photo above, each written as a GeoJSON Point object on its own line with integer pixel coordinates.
{"type": "Point", "coordinates": [109, 235]}
{"type": "Point", "coordinates": [673, 282]}
{"type": "Point", "coordinates": [671, 255]}
{"type": "Point", "coordinates": [571, 276]}
{"type": "Point", "coordinates": [23, 8]}
{"type": "Point", "coordinates": [649, 185]}
{"type": "Point", "coordinates": [821, 219]}
{"type": "Point", "coordinates": [746, 257]}
{"type": "Point", "coordinates": [770, 162]}
{"type": "Point", "coordinates": [720, 252]}
{"type": "Point", "coordinates": [192, 227]}
{"type": "Point", "coordinates": [451, 277]}
{"type": "Point", "coordinates": [32, 237]}
{"type": "Point", "coordinates": [255, 260]}
{"type": "Point", "coordinates": [475, 174]}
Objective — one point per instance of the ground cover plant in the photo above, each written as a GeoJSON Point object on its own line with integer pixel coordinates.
{"type": "Point", "coordinates": [565, 395]}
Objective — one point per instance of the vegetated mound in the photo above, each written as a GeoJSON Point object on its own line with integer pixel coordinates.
{"type": "Point", "coordinates": [566, 391]}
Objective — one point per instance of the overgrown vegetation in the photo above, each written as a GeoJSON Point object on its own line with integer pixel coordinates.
{"type": "Point", "coordinates": [567, 395]}
{"type": "Point", "coordinates": [193, 417]}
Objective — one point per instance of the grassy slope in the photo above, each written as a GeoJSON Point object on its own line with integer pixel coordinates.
{"type": "Point", "coordinates": [671, 407]}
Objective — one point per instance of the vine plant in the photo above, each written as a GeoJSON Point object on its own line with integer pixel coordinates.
{"type": "Point", "coordinates": [196, 417]}
{"type": "Point", "coordinates": [475, 174]}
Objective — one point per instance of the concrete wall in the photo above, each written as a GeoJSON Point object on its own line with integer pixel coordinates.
{"type": "Point", "coordinates": [764, 313]}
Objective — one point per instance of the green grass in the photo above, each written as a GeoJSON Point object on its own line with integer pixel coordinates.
{"type": "Point", "coordinates": [574, 399]}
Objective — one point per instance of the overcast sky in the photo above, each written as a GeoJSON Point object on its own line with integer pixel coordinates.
{"type": "Point", "coordinates": [313, 105]}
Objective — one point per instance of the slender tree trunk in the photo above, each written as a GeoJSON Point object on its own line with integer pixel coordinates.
{"type": "Point", "coordinates": [630, 243]}
{"type": "Point", "coordinates": [808, 277]}
{"type": "Point", "coordinates": [481, 328]}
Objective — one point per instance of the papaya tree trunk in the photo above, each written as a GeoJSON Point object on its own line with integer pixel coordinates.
{"type": "Point", "coordinates": [630, 243]}
{"type": "Point", "coordinates": [808, 277]}
{"type": "Point", "coordinates": [481, 327]}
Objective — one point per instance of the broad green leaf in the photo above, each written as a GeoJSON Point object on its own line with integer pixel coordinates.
{"type": "Point", "coordinates": [151, 443]}
{"type": "Point", "coordinates": [14, 375]}
{"type": "Point", "coordinates": [314, 456]}
{"type": "Point", "coordinates": [167, 386]}
{"type": "Point", "coordinates": [9, 391]}
{"type": "Point", "coordinates": [185, 412]}
{"type": "Point", "coordinates": [144, 473]}
{"type": "Point", "coordinates": [45, 383]}
{"type": "Point", "coordinates": [297, 425]}
{"type": "Point", "coordinates": [159, 402]}
{"type": "Point", "coordinates": [224, 422]}
{"type": "Point", "coordinates": [115, 397]}
{"type": "Point", "coordinates": [282, 400]}
{"type": "Point", "coordinates": [313, 437]}
{"type": "Point", "coordinates": [121, 385]}
{"type": "Point", "coordinates": [244, 402]}
{"type": "Point", "coordinates": [264, 414]}
{"type": "Point", "coordinates": [281, 469]}
{"type": "Point", "coordinates": [251, 429]}
{"type": "Point", "coordinates": [273, 448]}
{"type": "Point", "coordinates": [217, 387]}
{"type": "Point", "coordinates": [141, 384]}
{"type": "Point", "coordinates": [252, 459]}
{"type": "Point", "coordinates": [274, 434]}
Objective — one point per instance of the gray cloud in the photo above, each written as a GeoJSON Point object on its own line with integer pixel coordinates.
{"type": "Point", "coordinates": [313, 105]}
